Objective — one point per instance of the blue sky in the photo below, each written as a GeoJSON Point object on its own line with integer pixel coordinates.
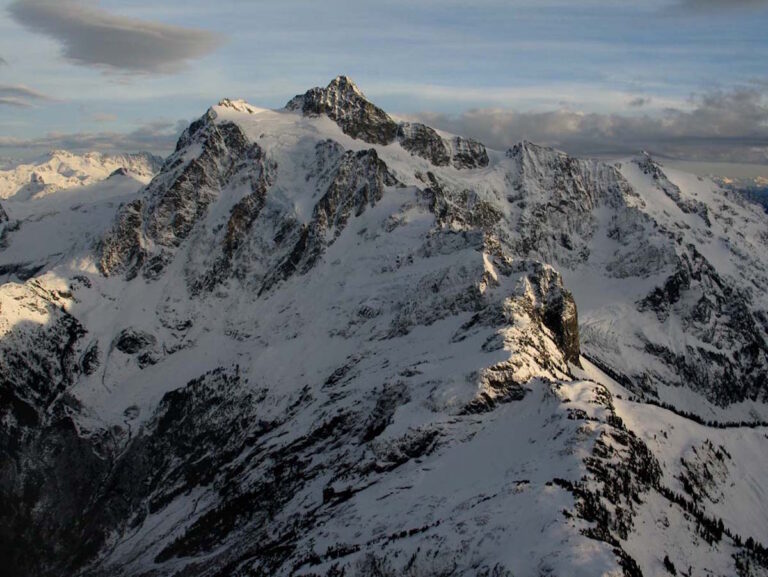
{"type": "Point", "coordinates": [67, 76]}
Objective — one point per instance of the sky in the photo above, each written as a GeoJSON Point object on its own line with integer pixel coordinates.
{"type": "Point", "coordinates": [683, 78]}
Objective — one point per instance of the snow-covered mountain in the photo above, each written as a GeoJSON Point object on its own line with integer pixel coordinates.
{"type": "Point", "coordinates": [322, 342]}
{"type": "Point", "coordinates": [755, 189]}
{"type": "Point", "coordinates": [61, 170]}
{"type": "Point", "coordinates": [39, 232]}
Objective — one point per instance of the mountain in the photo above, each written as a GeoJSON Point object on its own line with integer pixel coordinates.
{"type": "Point", "coordinates": [62, 170]}
{"type": "Point", "coordinates": [324, 342]}
{"type": "Point", "coordinates": [39, 232]}
{"type": "Point", "coordinates": [755, 189]}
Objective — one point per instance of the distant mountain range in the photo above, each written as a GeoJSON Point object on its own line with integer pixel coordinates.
{"type": "Point", "coordinates": [61, 170]}
{"type": "Point", "coordinates": [320, 341]}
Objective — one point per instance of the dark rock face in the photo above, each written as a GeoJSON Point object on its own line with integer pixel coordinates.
{"type": "Point", "coordinates": [48, 471]}
{"type": "Point", "coordinates": [721, 319]}
{"type": "Point", "coordinates": [122, 249]}
{"type": "Point", "coordinates": [177, 203]}
{"type": "Point", "coordinates": [561, 317]}
{"type": "Point", "coordinates": [72, 489]}
{"type": "Point", "coordinates": [178, 198]}
{"type": "Point", "coordinates": [258, 174]}
{"type": "Point", "coordinates": [358, 181]}
{"type": "Point", "coordinates": [468, 153]}
{"type": "Point", "coordinates": [50, 477]}
{"type": "Point", "coordinates": [211, 433]}
{"type": "Point", "coordinates": [38, 362]}
{"type": "Point", "coordinates": [131, 341]}
{"type": "Point", "coordinates": [4, 226]}
{"type": "Point", "coordinates": [119, 172]}
{"type": "Point", "coordinates": [423, 141]}
{"type": "Point", "coordinates": [344, 103]}
{"type": "Point", "coordinates": [460, 207]}
{"type": "Point", "coordinates": [555, 307]}
{"type": "Point", "coordinates": [621, 471]}
{"type": "Point", "coordinates": [557, 195]}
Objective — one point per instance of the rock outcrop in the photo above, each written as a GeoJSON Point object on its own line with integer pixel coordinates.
{"type": "Point", "coordinates": [425, 142]}
{"type": "Point", "coordinates": [4, 224]}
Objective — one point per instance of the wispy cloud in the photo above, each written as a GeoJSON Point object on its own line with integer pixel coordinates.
{"type": "Point", "coordinates": [20, 96]}
{"type": "Point", "coordinates": [92, 36]}
{"type": "Point", "coordinates": [727, 126]}
{"type": "Point", "coordinates": [15, 102]}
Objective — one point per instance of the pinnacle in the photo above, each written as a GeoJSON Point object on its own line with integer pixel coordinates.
{"type": "Point", "coordinates": [344, 83]}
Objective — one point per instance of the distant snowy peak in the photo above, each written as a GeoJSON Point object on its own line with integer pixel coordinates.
{"type": "Point", "coordinates": [61, 170]}
{"type": "Point", "coordinates": [239, 105]}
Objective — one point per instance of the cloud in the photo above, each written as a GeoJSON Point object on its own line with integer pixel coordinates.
{"type": "Point", "coordinates": [20, 96]}
{"type": "Point", "coordinates": [693, 6]}
{"type": "Point", "coordinates": [639, 102]}
{"type": "Point", "coordinates": [159, 137]}
{"type": "Point", "coordinates": [92, 36]}
{"type": "Point", "coordinates": [727, 126]}
{"type": "Point", "coordinates": [21, 91]}
{"type": "Point", "coordinates": [103, 117]}
{"type": "Point", "coordinates": [3, 61]}
{"type": "Point", "coordinates": [15, 102]}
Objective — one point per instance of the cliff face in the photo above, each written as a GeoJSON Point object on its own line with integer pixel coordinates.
{"type": "Point", "coordinates": [321, 342]}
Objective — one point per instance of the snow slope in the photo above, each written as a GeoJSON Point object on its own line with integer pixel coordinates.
{"type": "Point", "coordinates": [45, 231]}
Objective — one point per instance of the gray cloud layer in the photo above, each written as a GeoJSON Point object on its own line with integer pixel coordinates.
{"type": "Point", "coordinates": [708, 8]}
{"type": "Point", "coordinates": [94, 37]}
{"type": "Point", "coordinates": [20, 96]}
{"type": "Point", "coordinates": [723, 4]}
{"type": "Point", "coordinates": [726, 126]}
{"type": "Point", "coordinates": [158, 137]}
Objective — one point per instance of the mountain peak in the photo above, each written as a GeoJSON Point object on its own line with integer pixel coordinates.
{"type": "Point", "coordinates": [59, 153]}
{"type": "Point", "coordinates": [238, 105]}
{"type": "Point", "coordinates": [345, 86]}
{"type": "Point", "coordinates": [343, 102]}
{"type": "Point", "coordinates": [526, 148]}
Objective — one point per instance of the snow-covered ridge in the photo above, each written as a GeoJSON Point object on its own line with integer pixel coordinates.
{"type": "Point", "coordinates": [322, 342]}
{"type": "Point", "coordinates": [61, 170]}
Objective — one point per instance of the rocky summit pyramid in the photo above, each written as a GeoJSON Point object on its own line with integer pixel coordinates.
{"type": "Point", "coordinates": [324, 342]}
